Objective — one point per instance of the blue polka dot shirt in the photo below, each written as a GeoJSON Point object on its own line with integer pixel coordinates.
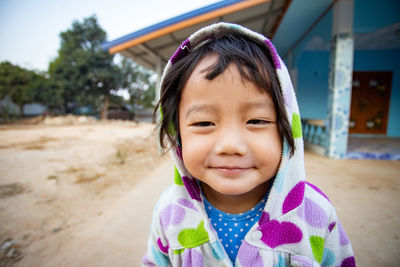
{"type": "Point", "coordinates": [232, 228]}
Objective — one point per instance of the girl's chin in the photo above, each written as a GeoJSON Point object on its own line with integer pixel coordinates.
{"type": "Point", "coordinates": [235, 187]}
{"type": "Point", "coordinates": [231, 190]}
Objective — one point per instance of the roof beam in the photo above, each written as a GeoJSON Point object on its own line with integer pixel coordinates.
{"type": "Point", "coordinates": [278, 21]}
{"type": "Point", "coordinates": [298, 41]}
{"type": "Point", "coordinates": [172, 35]}
{"type": "Point", "coordinates": [150, 51]}
{"type": "Point", "coordinates": [186, 23]}
{"type": "Point", "coordinates": [271, 4]}
{"type": "Point", "coordinates": [147, 63]}
{"type": "Point", "coordinates": [239, 22]}
{"type": "Point", "coordinates": [255, 17]}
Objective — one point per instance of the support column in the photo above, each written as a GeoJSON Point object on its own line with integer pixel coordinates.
{"type": "Point", "coordinates": [158, 70]}
{"type": "Point", "coordinates": [159, 65]}
{"type": "Point", "coordinates": [340, 79]}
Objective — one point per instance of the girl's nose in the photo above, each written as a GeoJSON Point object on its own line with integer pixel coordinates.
{"type": "Point", "coordinates": [231, 141]}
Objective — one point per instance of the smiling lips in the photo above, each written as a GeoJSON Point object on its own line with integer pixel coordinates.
{"type": "Point", "coordinates": [230, 170]}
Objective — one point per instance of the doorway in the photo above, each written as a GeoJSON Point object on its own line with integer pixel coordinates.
{"type": "Point", "coordinates": [370, 99]}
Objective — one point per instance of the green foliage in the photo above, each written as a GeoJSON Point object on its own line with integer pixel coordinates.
{"type": "Point", "coordinates": [82, 74]}
{"type": "Point", "coordinates": [82, 71]}
{"type": "Point", "coordinates": [137, 80]}
{"type": "Point", "coordinates": [13, 82]}
{"type": "Point", "coordinates": [23, 86]}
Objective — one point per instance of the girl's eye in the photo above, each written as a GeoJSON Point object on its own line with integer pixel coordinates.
{"type": "Point", "coordinates": [203, 124]}
{"type": "Point", "coordinates": [257, 121]}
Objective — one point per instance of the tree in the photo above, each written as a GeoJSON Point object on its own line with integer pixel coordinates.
{"type": "Point", "coordinates": [82, 71]}
{"type": "Point", "coordinates": [46, 93]}
{"type": "Point", "coordinates": [137, 81]}
{"type": "Point", "coordinates": [26, 86]}
{"type": "Point", "coordinates": [21, 85]}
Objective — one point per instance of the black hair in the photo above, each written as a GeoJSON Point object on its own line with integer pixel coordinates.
{"type": "Point", "coordinates": [254, 63]}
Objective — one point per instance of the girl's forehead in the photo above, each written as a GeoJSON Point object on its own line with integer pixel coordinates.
{"type": "Point", "coordinates": [228, 88]}
{"type": "Point", "coordinates": [206, 62]}
{"type": "Point", "coordinates": [230, 75]}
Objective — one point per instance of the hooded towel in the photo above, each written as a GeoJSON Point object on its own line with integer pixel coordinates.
{"type": "Point", "coordinates": [299, 225]}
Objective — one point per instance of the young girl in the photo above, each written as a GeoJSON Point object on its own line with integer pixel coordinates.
{"type": "Point", "coordinates": [231, 120]}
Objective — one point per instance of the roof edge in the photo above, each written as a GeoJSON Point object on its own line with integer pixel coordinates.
{"type": "Point", "coordinates": [182, 21]}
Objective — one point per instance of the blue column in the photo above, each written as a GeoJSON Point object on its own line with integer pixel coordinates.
{"type": "Point", "coordinates": [339, 97]}
{"type": "Point", "coordinates": [340, 79]}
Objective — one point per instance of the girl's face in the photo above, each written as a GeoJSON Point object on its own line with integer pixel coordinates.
{"type": "Point", "coordinates": [229, 134]}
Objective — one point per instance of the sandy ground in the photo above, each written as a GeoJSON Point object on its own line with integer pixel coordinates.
{"type": "Point", "coordinates": [80, 193]}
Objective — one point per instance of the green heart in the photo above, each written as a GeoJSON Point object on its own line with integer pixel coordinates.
{"type": "Point", "coordinates": [190, 238]}
{"type": "Point", "coordinates": [317, 246]}
{"type": "Point", "coordinates": [178, 178]}
{"type": "Point", "coordinates": [178, 251]}
{"type": "Point", "coordinates": [296, 125]}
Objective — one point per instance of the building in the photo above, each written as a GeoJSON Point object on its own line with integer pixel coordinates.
{"type": "Point", "coordinates": [342, 55]}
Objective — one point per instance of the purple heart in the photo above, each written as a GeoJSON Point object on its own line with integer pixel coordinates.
{"type": "Point", "coordinates": [318, 190]}
{"type": "Point", "coordinates": [349, 262]}
{"type": "Point", "coordinates": [275, 233]}
{"type": "Point", "coordinates": [179, 153]}
{"type": "Point", "coordinates": [162, 247]}
{"type": "Point", "coordinates": [287, 97]}
{"type": "Point", "coordinates": [293, 198]}
{"type": "Point", "coordinates": [344, 240]}
{"type": "Point", "coordinates": [273, 53]}
{"type": "Point", "coordinates": [331, 226]}
{"type": "Point", "coordinates": [313, 214]}
{"type": "Point", "coordinates": [172, 214]}
{"type": "Point", "coordinates": [192, 187]}
{"type": "Point", "coordinates": [303, 261]}
{"type": "Point", "coordinates": [249, 256]}
{"type": "Point", "coordinates": [264, 218]}
{"type": "Point", "coordinates": [181, 52]}
{"type": "Point", "coordinates": [146, 261]}
{"type": "Point", "coordinates": [192, 258]}
{"type": "Point", "coordinates": [187, 203]}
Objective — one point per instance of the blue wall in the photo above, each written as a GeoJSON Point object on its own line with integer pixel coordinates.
{"type": "Point", "coordinates": [298, 18]}
{"type": "Point", "coordinates": [371, 15]}
{"type": "Point", "coordinates": [313, 74]}
{"type": "Point", "coordinates": [312, 83]}
{"type": "Point", "coordinates": [313, 66]}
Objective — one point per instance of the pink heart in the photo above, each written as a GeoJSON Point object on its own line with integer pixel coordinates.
{"type": "Point", "coordinates": [275, 233]}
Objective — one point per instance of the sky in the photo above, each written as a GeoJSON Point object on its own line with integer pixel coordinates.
{"type": "Point", "coordinates": [29, 29]}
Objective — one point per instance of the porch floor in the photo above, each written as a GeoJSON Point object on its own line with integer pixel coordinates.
{"type": "Point", "coordinates": [384, 148]}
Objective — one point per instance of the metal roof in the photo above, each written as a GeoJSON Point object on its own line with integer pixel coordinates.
{"type": "Point", "coordinates": [159, 41]}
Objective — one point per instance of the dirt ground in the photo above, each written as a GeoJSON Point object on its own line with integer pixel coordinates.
{"type": "Point", "coordinates": [75, 192]}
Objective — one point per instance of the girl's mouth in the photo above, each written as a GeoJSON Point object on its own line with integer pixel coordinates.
{"type": "Point", "coordinates": [230, 170]}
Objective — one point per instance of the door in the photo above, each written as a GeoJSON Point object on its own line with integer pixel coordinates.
{"type": "Point", "coordinates": [370, 102]}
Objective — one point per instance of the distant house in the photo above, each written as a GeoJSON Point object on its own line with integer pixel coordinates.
{"type": "Point", "coordinates": [31, 109]}
{"type": "Point", "coordinates": [7, 106]}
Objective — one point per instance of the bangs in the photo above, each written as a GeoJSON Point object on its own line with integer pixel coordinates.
{"type": "Point", "coordinates": [252, 61]}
